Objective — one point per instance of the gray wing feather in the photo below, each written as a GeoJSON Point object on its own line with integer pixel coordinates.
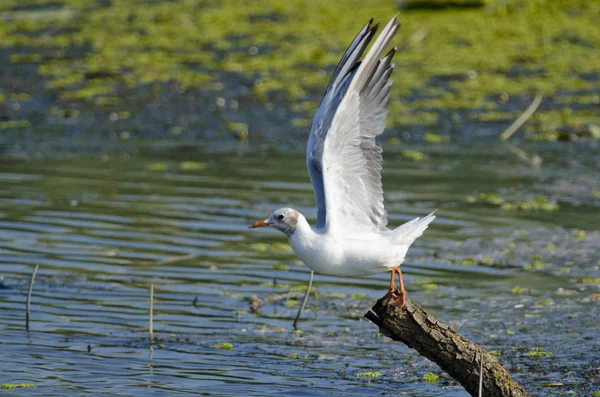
{"type": "Point", "coordinates": [334, 94]}
{"type": "Point", "coordinates": [350, 157]}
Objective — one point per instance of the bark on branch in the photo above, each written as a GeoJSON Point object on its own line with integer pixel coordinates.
{"type": "Point", "coordinates": [456, 355]}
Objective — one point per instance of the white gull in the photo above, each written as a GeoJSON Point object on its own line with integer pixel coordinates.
{"type": "Point", "coordinates": [344, 161]}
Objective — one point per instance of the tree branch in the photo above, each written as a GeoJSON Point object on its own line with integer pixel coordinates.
{"type": "Point", "coordinates": [455, 354]}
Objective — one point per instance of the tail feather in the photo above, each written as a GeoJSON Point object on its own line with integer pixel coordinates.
{"type": "Point", "coordinates": [412, 230]}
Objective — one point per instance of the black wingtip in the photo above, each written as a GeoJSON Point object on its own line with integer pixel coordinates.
{"type": "Point", "coordinates": [391, 52]}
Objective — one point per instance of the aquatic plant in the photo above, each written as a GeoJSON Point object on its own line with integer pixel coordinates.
{"type": "Point", "coordinates": [283, 50]}
{"type": "Point", "coordinates": [9, 386]}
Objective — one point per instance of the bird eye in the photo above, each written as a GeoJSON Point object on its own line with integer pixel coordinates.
{"type": "Point", "coordinates": [280, 216]}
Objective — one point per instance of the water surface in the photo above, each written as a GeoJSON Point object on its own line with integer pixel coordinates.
{"type": "Point", "coordinates": [103, 228]}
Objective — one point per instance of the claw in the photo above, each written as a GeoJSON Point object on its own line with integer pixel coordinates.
{"type": "Point", "coordinates": [395, 296]}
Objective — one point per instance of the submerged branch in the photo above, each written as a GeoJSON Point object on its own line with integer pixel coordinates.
{"type": "Point", "coordinates": [28, 305]}
{"type": "Point", "coordinates": [522, 118]}
{"type": "Point", "coordinates": [456, 355]}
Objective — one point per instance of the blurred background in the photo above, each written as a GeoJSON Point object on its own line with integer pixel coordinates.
{"type": "Point", "coordinates": [138, 139]}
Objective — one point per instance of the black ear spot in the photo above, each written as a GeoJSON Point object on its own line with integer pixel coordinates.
{"type": "Point", "coordinates": [280, 216]}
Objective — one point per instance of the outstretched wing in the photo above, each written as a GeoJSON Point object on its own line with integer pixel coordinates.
{"type": "Point", "coordinates": [343, 157]}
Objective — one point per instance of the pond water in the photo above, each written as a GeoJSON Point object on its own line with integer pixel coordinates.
{"type": "Point", "coordinates": [104, 228]}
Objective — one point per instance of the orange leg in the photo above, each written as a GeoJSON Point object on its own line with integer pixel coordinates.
{"type": "Point", "coordinates": [399, 301]}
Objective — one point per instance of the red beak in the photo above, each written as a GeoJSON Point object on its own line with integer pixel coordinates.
{"type": "Point", "coordinates": [258, 224]}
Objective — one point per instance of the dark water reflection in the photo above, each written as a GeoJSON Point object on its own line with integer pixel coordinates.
{"type": "Point", "coordinates": [103, 229]}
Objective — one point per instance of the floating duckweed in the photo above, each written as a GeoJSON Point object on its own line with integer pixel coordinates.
{"type": "Point", "coordinates": [539, 203]}
{"type": "Point", "coordinates": [495, 353]}
{"type": "Point", "coordinates": [9, 386]}
{"type": "Point", "coordinates": [580, 234]}
{"type": "Point", "coordinates": [413, 155]}
{"type": "Point", "coordinates": [426, 284]}
{"type": "Point", "coordinates": [485, 198]}
{"type": "Point", "coordinates": [430, 377]}
{"type": "Point", "coordinates": [240, 130]}
{"type": "Point", "coordinates": [449, 67]}
{"type": "Point", "coordinates": [517, 290]}
{"type": "Point", "coordinates": [368, 374]}
{"type": "Point", "coordinates": [463, 262]}
{"type": "Point", "coordinates": [536, 263]}
{"type": "Point", "coordinates": [19, 96]}
{"type": "Point", "coordinates": [192, 166]}
{"type": "Point", "coordinates": [435, 138]}
{"type": "Point", "coordinates": [545, 302]}
{"type": "Point", "coordinates": [293, 355]}
{"type": "Point", "coordinates": [301, 123]}
{"type": "Point", "coordinates": [291, 302]}
{"type": "Point", "coordinates": [588, 280]}
{"type": "Point", "coordinates": [538, 352]}
{"type": "Point", "coordinates": [274, 247]}
{"type": "Point", "coordinates": [223, 346]}
{"type": "Point", "coordinates": [282, 267]}
{"type": "Point", "coordinates": [358, 295]}
{"type": "Point", "coordinates": [158, 167]}
{"type": "Point", "coordinates": [5, 125]}
{"type": "Point", "coordinates": [394, 141]}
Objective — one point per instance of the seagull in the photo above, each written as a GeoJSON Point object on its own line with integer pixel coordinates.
{"type": "Point", "coordinates": [351, 237]}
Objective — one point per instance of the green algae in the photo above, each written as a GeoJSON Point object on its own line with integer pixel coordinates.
{"type": "Point", "coordinates": [223, 346]}
{"type": "Point", "coordinates": [431, 378]}
{"type": "Point", "coordinates": [413, 155]}
{"type": "Point", "coordinates": [368, 374]}
{"type": "Point", "coordinates": [87, 51]}
{"type": "Point", "coordinates": [538, 203]}
{"type": "Point", "coordinates": [538, 352]}
{"type": "Point", "coordinates": [10, 386]}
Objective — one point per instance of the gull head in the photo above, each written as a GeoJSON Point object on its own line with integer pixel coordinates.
{"type": "Point", "coordinates": [283, 219]}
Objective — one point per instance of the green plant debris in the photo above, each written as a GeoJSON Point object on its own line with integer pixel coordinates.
{"type": "Point", "coordinates": [518, 290]}
{"type": "Point", "coordinates": [395, 141]}
{"type": "Point", "coordinates": [463, 262]}
{"type": "Point", "coordinates": [536, 262]}
{"type": "Point", "coordinates": [538, 352]}
{"type": "Point", "coordinates": [413, 155]}
{"type": "Point", "coordinates": [435, 138]}
{"type": "Point", "coordinates": [19, 97]}
{"type": "Point", "coordinates": [580, 234]}
{"type": "Point", "coordinates": [596, 394]}
{"type": "Point", "coordinates": [240, 130]}
{"type": "Point", "coordinates": [223, 346]}
{"type": "Point", "coordinates": [426, 284]}
{"type": "Point", "coordinates": [511, 47]}
{"type": "Point", "coordinates": [9, 386]}
{"type": "Point", "coordinates": [368, 374]}
{"type": "Point", "coordinates": [358, 295]}
{"type": "Point", "coordinates": [430, 377]}
{"type": "Point", "coordinates": [588, 280]}
{"type": "Point", "coordinates": [291, 303]}
{"type": "Point", "coordinates": [538, 203]}
{"type": "Point", "coordinates": [14, 124]}
{"type": "Point", "coordinates": [274, 247]}
{"type": "Point", "coordinates": [485, 198]}
{"type": "Point", "coordinates": [192, 166]}
{"type": "Point", "coordinates": [282, 267]}
{"type": "Point", "coordinates": [545, 302]}
{"type": "Point", "coordinates": [293, 355]}
{"type": "Point", "coordinates": [157, 167]}
{"type": "Point", "coordinates": [495, 353]}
